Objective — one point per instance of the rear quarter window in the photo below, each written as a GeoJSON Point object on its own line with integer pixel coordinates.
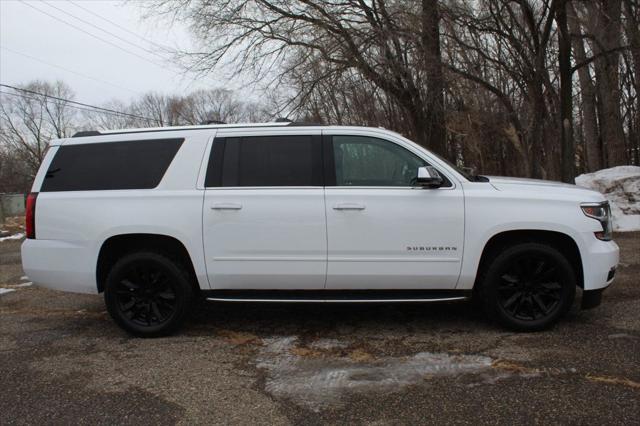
{"type": "Point", "coordinates": [137, 164]}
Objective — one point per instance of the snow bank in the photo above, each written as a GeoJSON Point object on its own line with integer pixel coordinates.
{"type": "Point", "coordinates": [5, 290]}
{"type": "Point", "coordinates": [621, 186]}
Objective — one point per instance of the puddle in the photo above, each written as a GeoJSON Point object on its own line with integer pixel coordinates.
{"type": "Point", "coordinates": [317, 378]}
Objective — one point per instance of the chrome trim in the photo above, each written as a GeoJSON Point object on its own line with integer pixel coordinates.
{"type": "Point", "coordinates": [447, 299]}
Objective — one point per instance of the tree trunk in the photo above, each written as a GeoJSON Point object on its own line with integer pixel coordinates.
{"type": "Point", "coordinates": [632, 30]}
{"type": "Point", "coordinates": [567, 148]}
{"type": "Point", "coordinates": [435, 131]}
{"type": "Point", "coordinates": [593, 151]}
{"type": "Point", "coordinates": [605, 18]}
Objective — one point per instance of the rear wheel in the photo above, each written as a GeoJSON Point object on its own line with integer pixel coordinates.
{"type": "Point", "coordinates": [148, 294]}
{"type": "Point", "coordinates": [528, 287]}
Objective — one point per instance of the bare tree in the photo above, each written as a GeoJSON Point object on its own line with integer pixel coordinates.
{"type": "Point", "coordinates": [390, 43]}
{"type": "Point", "coordinates": [604, 22]}
{"type": "Point", "coordinates": [28, 121]}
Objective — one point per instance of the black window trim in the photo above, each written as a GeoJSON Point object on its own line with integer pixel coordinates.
{"type": "Point", "coordinates": [62, 148]}
{"type": "Point", "coordinates": [213, 175]}
{"type": "Point", "coordinates": [330, 172]}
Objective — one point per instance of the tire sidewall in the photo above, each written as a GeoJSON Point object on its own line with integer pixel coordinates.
{"type": "Point", "coordinates": [503, 260]}
{"type": "Point", "coordinates": [181, 286]}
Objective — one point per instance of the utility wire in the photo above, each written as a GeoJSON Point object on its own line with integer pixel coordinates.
{"type": "Point", "coordinates": [104, 31]}
{"type": "Point", "coordinates": [68, 70]}
{"type": "Point", "coordinates": [120, 26]}
{"type": "Point", "coordinates": [75, 102]}
{"type": "Point", "coordinates": [19, 95]}
{"type": "Point", "coordinates": [91, 35]}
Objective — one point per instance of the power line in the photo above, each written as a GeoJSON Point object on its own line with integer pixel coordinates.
{"type": "Point", "coordinates": [19, 95]}
{"type": "Point", "coordinates": [103, 30]}
{"type": "Point", "coordinates": [67, 69]}
{"type": "Point", "coordinates": [90, 34]}
{"type": "Point", "coordinates": [75, 102]}
{"type": "Point", "coordinates": [119, 26]}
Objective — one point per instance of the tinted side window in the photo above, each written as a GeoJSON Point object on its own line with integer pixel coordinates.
{"type": "Point", "coordinates": [266, 161]}
{"type": "Point", "coordinates": [114, 165]}
{"type": "Point", "coordinates": [365, 161]}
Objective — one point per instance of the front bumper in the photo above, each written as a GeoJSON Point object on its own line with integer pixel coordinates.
{"type": "Point", "coordinates": [599, 259]}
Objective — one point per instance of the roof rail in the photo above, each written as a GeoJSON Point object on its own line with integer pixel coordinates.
{"type": "Point", "coordinates": [217, 125]}
{"type": "Point", "coordinates": [86, 133]}
{"type": "Point", "coordinates": [304, 123]}
{"type": "Point", "coordinates": [207, 122]}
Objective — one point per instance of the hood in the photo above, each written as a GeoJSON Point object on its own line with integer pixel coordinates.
{"type": "Point", "coordinates": [544, 189]}
{"type": "Point", "coordinates": [500, 180]}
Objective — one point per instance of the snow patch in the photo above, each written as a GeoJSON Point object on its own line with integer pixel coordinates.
{"type": "Point", "coordinates": [17, 236]}
{"type": "Point", "coordinates": [621, 186]}
{"type": "Point", "coordinates": [5, 290]}
{"type": "Point", "coordinates": [319, 380]}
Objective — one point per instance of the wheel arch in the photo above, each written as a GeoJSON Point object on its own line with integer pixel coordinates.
{"type": "Point", "coordinates": [116, 246]}
{"type": "Point", "coordinates": [564, 242]}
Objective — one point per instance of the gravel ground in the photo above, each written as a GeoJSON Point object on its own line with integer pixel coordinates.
{"type": "Point", "coordinates": [63, 361]}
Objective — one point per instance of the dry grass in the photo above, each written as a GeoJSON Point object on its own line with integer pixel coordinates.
{"type": "Point", "coordinates": [359, 355]}
{"type": "Point", "coordinates": [610, 380]}
{"type": "Point", "coordinates": [239, 338]}
{"type": "Point", "coordinates": [13, 224]}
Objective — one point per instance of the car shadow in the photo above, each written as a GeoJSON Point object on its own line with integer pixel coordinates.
{"type": "Point", "coordinates": [264, 319]}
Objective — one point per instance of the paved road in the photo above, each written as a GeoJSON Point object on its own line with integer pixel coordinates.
{"type": "Point", "coordinates": [63, 361]}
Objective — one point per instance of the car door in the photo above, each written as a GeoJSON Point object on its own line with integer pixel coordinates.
{"type": "Point", "coordinates": [264, 224]}
{"type": "Point", "coordinates": [383, 232]}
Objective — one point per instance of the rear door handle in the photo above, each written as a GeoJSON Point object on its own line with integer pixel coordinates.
{"type": "Point", "coordinates": [348, 206]}
{"type": "Point", "coordinates": [226, 206]}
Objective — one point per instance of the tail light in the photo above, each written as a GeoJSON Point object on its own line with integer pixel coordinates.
{"type": "Point", "coordinates": [30, 216]}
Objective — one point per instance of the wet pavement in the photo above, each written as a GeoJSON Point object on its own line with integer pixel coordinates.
{"type": "Point", "coordinates": [62, 360]}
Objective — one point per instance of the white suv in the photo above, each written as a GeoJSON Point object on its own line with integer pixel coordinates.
{"type": "Point", "coordinates": [154, 218]}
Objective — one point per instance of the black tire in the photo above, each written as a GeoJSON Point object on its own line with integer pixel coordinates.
{"type": "Point", "coordinates": [148, 294]}
{"type": "Point", "coordinates": [528, 286]}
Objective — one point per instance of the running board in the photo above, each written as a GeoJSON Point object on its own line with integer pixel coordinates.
{"type": "Point", "coordinates": [336, 296]}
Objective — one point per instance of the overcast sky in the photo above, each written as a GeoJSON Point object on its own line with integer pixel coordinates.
{"type": "Point", "coordinates": [34, 45]}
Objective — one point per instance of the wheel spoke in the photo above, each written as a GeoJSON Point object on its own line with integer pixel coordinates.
{"type": "Point", "coordinates": [510, 279]}
{"type": "Point", "coordinates": [156, 310]}
{"type": "Point", "coordinates": [543, 308]}
{"type": "Point", "coordinates": [551, 286]}
{"type": "Point", "coordinates": [130, 285]}
{"type": "Point", "coordinates": [539, 268]}
{"type": "Point", "coordinates": [510, 301]}
{"type": "Point", "coordinates": [167, 295]}
{"type": "Point", "coordinates": [127, 306]}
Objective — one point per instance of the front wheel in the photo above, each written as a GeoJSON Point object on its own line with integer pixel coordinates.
{"type": "Point", "coordinates": [148, 294]}
{"type": "Point", "coordinates": [528, 287]}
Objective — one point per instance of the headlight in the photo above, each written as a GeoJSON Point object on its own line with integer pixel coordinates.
{"type": "Point", "coordinates": [602, 213]}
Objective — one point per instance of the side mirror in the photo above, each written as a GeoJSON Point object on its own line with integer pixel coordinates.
{"type": "Point", "coordinates": [429, 177]}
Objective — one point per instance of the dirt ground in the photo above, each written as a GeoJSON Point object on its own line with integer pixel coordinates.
{"type": "Point", "coordinates": [63, 361]}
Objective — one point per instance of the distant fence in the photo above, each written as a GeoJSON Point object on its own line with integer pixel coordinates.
{"type": "Point", "coordinates": [11, 205]}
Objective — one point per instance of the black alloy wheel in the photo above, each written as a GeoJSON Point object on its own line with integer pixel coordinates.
{"type": "Point", "coordinates": [528, 286]}
{"type": "Point", "coordinates": [148, 294]}
{"type": "Point", "coordinates": [145, 295]}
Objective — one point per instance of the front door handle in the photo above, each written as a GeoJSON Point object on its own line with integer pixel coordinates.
{"type": "Point", "coordinates": [348, 206]}
{"type": "Point", "coordinates": [226, 206]}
